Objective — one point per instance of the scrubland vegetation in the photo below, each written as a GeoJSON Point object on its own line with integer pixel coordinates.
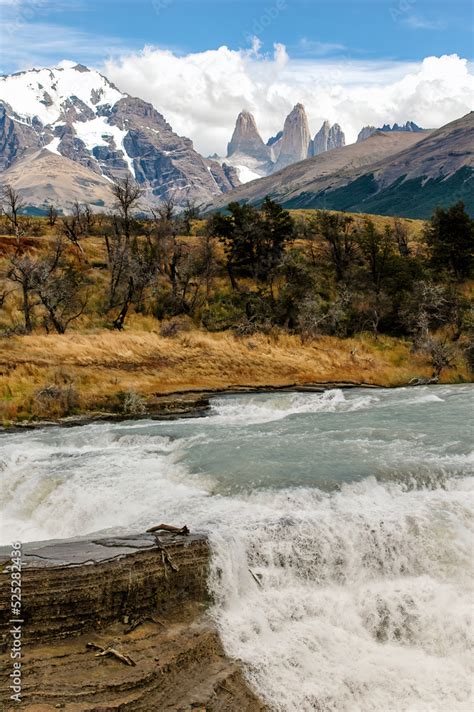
{"type": "Point", "coordinates": [102, 312]}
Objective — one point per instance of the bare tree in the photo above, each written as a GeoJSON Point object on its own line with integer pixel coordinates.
{"type": "Point", "coordinates": [168, 248]}
{"type": "Point", "coordinates": [23, 271]}
{"type": "Point", "coordinates": [311, 317]}
{"type": "Point", "coordinates": [130, 263]}
{"type": "Point", "coordinates": [118, 257]}
{"type": "Point", "coordinates": [77, 225]}
{"type": "Point", "coordinates": [131, 272]}
{"type": "Point", "coordinates": [72, 229]}
{"type": "Point", "coordinates": [87, 217]}
{"type": "Point", "coordinates": [52, 215]}
{"type": "Point", "coordinates": [191, 212]}
{"type": "Point", "coordinates": [12, 205]}
{"type": "Point", "coordinates": [127, 195]}
{"type": "Point", "coordinates": [119, 320]}
{"type": "Point", "coordinates": [58, 284]}
{"type": "Point", "coordinates": [425, 311]}
{"type": "Point", "coordinates": [207, 261]}
{"type": "Point", "coordinates": [441, 355]}
{"type": "Point", "coordinates": [316, 317]}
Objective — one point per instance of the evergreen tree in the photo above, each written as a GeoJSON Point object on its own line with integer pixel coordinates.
{"type": "Point", "coordinates": [450, 238]}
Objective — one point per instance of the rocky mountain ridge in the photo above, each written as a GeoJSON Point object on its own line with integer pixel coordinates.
{"type": "Point", "coordinates": [367, 131]}
{"type": "Point", "coordinates": [76, 113]}
{"type": "Point", "coordinates": [406, 173]}
{"type": "Point", "coordinates": [254, 159]}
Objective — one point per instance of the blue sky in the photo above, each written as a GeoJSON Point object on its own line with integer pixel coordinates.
{"type": "Point", "coordinates": [45, 31]}
{"type": "Point", "coordinates": [200, 62]}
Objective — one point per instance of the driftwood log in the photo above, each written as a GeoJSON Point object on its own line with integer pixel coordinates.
{"type": "Point", "coordinates": [424, 381]}
{"type": "Point", "coordinates": [111, 652]}
{"type": "Point", "coordinates": [169, 528]}
{"type": "Point", "coordinates": [255, 578]}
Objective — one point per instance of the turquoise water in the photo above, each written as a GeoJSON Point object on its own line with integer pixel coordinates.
{"type": "Point", "coordinates": [353, 508]}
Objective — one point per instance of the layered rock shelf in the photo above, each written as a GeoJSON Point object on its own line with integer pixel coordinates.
{"type": "Point", "coordinates": [117, 623]}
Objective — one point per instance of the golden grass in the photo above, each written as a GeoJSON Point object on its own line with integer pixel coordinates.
{"type": "Point", "coordinates": [102, 364]}
{"type": "Point", "coordinates": [90, 365]}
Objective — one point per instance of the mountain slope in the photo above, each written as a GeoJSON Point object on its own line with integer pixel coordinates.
{"type": "Point", "coordinates": [77, 113]}
{"type": "Point", "coordinates": [332, 168]}
{"type": "Point", "coordinates": [436, 170]}
{"type": "Point", "coordinates": [44, 178]}
{"type": "Point", "coordinates": [399, 173]}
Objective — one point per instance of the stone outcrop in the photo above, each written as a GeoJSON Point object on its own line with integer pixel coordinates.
{"type": "Point", "coordinates": [365, 132]}
{"type": "Point", "coordinates": [247, 154]}
{"type": "Point", "coordinates": [246, 140]}
{"type": "Point", "coordinates": [142, 596]}
{"type": "Point", "coordinates": [225, 175]}
{"type": "Point", "coordinates": [327, 138]}
{"type": "Point", "coordinates": [274, 139]}
{"type": "Point", "coordinates": [289, 146]}
{"type": "Point", "coordinates": [296, 138]}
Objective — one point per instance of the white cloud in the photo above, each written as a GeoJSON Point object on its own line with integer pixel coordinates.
{"type": "Point", "coordinates": [201, 94]}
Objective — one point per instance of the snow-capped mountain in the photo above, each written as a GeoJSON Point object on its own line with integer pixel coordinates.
{"type": "Point", "coordinates": [48, 94]}
{"type": "Point", "coordinates": [76, 113]}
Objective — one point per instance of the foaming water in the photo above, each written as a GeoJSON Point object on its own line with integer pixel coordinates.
{"type": "Point", "coordinates": [364, 600]}
{"type": "Point", "coordinates": [341, 527]}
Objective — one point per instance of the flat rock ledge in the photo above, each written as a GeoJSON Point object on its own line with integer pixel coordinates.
{"type": "Point", "coordinates": [144, 597]}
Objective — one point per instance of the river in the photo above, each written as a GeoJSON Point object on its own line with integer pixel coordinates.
{"type": "Point", "coordinates": [340, 523]}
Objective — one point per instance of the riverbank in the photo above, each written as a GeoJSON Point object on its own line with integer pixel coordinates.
{"type": "Point", "coordinates": [108, 374]}
{"type": "Point", "coordinates": [143, 599]}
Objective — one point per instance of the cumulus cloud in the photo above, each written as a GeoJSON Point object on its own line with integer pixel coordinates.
{"type": "Point", "coordinates": [200, 94]}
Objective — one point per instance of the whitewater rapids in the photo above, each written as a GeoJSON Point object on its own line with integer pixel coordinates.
{"type": "Point", "coordinates": [341, 526]}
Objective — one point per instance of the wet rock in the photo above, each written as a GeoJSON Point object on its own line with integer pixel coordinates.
{"type": "Point", "coordinates": [144, 598]}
